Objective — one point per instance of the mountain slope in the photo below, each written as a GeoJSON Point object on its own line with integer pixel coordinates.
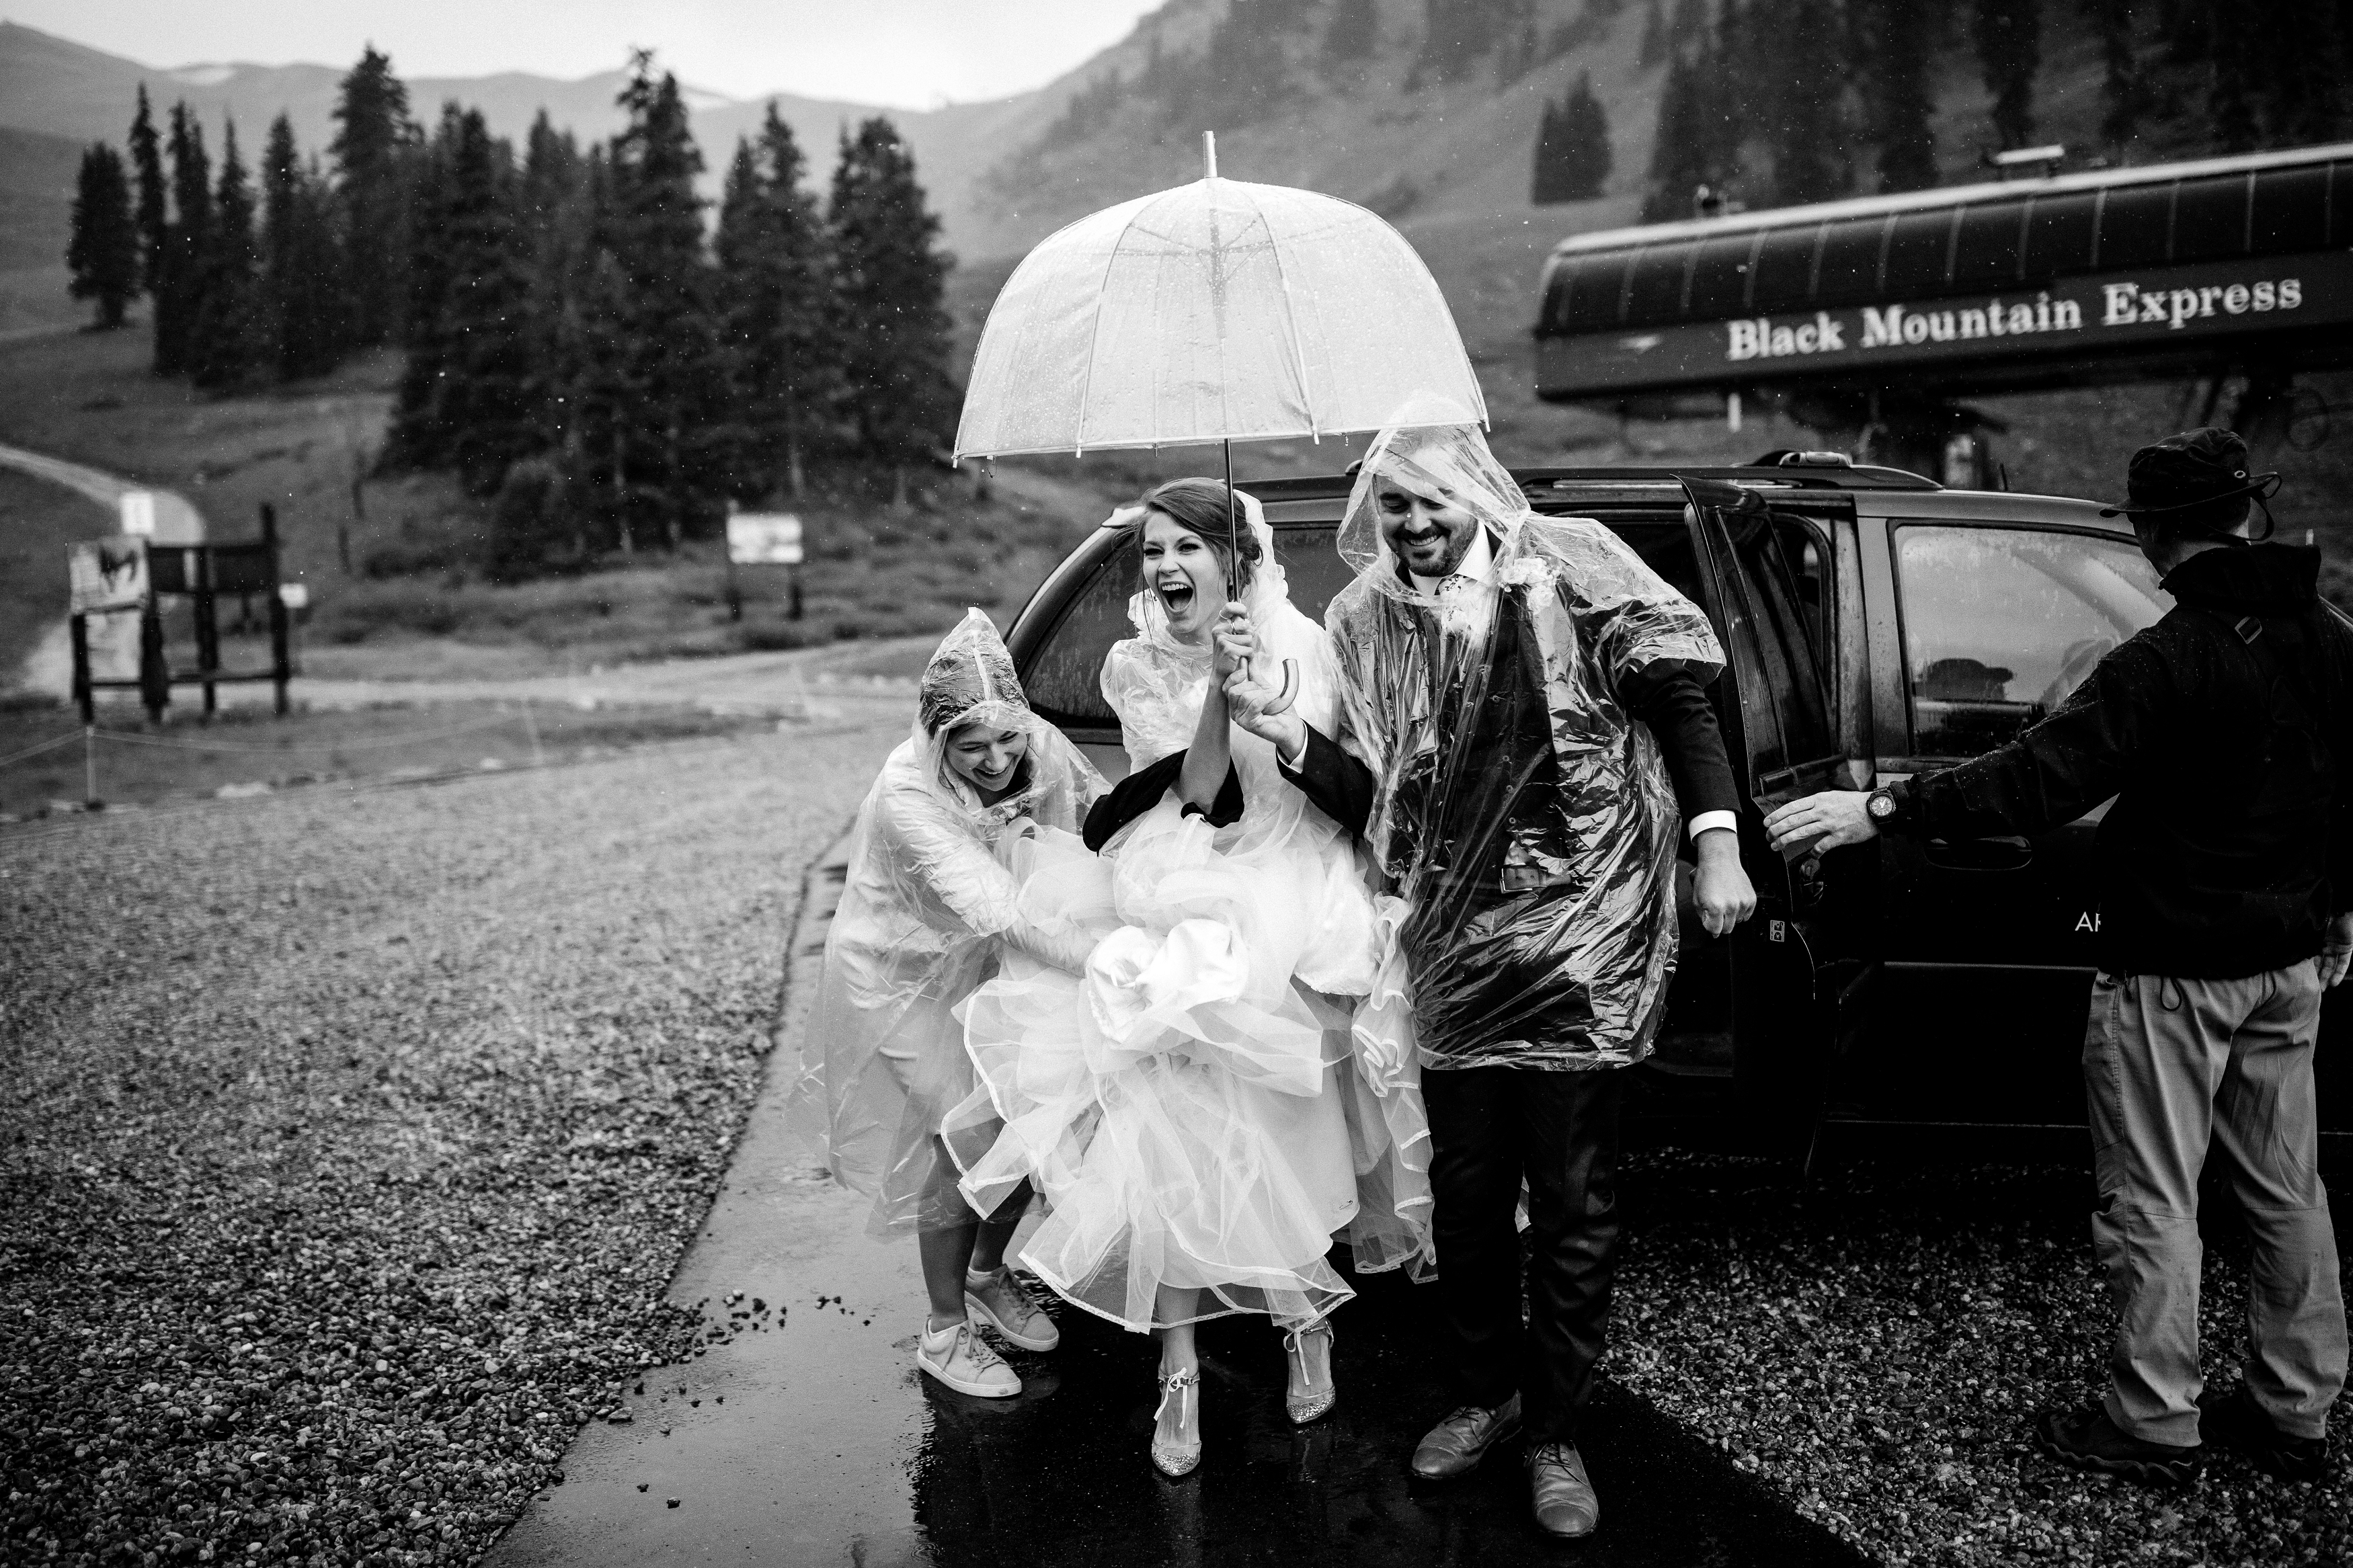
{"type": "Point", "coordinates": [37, 190]}
{"type": "Point", "coordinates": [53, 87]}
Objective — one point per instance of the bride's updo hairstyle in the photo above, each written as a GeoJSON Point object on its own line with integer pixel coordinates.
{"type": "Point", "coordinates": [1198, 506]}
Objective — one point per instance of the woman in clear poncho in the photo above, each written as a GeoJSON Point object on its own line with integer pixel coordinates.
{"type": "Point", "coordinates": [928, 910]}
{"type": "Point", "coordinates": [1224, 1089]}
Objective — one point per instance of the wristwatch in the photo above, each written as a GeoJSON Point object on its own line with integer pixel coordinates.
{"type": "Point", "coordinates": [1881, 806]}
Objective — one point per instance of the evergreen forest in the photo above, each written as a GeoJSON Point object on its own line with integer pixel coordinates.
{"type": "Point", "coordinates": [606, 363]}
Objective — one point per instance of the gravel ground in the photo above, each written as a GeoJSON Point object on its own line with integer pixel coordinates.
{"type": "Point", "coordinates": [1876, 1347]}
{"type": "Point", "coordinates": [347, 1145]}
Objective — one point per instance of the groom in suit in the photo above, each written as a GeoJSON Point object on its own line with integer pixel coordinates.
{"type": "Point", "coordinates": [1527, 744]}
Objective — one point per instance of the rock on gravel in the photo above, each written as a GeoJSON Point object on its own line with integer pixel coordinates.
{"type": "Point", "coordinates": [347, 1143]}
{"type": "Point", "coordinates": [1875, 1346]}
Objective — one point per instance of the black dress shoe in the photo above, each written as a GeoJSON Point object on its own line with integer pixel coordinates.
{"type": "Point", "coordinates": [1456, 1445]}
{"type": "Point", "coordinates": [2089, 1440]}
{"type": "Point", "coordinates": [2236, 1421]}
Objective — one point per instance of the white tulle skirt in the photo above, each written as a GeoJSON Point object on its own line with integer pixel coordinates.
{"type": "Point", "coordinates": [1199, 1117]}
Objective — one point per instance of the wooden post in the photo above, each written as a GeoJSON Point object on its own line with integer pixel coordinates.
{"type": "Point", "coordinates": [154, 677]}
{"type": "Point", "coordinates": [794, 612]}
{"type": "Point", "coordinates": [281, 658]}
{"type": "Point", "coordinates": [84, 697]}
{"type": "Point", "coordinates": [208, 630]}
{"type": "Point", "coordinates": [282, 662]}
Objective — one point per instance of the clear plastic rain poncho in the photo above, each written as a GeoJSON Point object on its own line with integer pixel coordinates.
{"type": "Point", "coordinates": [928, 907]}
{"type": "Point", "coordinates": [1526, 821]}
{"type": "Point", "coordinates": [1228, 1085]}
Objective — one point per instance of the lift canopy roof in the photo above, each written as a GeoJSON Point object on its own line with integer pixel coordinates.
{"type": "Point", "coordinates": [2109, 275]}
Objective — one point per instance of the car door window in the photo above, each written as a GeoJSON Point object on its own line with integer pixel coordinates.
{"type": "Point", "coordinates": [1794, 727]}
{"type": "Point", "coordinates": [2000, 623]}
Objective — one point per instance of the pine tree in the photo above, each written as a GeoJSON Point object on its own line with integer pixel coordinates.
{"type": "Point", "coordinates": [227, 343]}
{"type": "Point", "coordinates": [2300, 47]}
{"type": "Point", "coordinates": [1802, 123]}
{"type": "Point", "coordinates": [558, 208]}
{"type": "Point", "coordinates": [771, 281]}
{"type": "Point", "coordinates": [2233, 100]}
{"type": "Point", "coordinates": [2010, 52]}
{"type": "Point", "coordinates": [2124, 92]}
{"type": "Point", "coordinates": [373, 139]}
{"type": "Point", "coordinates": [103, 252]}
{"type": "Point", "coordinates": [186, 241]}
{"type": "Point", "coordinates": [1679, 161]}
{"type": "Point", "coordinates": [1902, 94]}
{"type": "Point", "coordinates": [664, 450]}
{"type": "Point", "coordinates": [153, 218]}
{"type": "Point", "coordinates": [889, 287]}
{"type": "Point", "coordinates": [466, 397]}
{"type": "Point", "coordinates": [419, 438]}
{"type": "Point", "coordinates": [1573, 156]}
{"type": "Point", "coordinates": [1656, 41]}
{"type": "Point", "coordinates": [303, 303]}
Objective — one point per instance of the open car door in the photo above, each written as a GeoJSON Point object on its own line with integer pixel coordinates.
{"type": "Point", "coordinates": [1793, 985]}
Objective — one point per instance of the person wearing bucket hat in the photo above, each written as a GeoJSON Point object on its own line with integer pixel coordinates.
{"type": "Point", "coordinates": [2224, 734]}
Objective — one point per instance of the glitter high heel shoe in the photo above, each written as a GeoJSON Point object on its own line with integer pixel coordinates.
{"type": "Point", "coordinates": [1179, 1458]}
{"type": "Point", "coordinates": [1304, 1408]}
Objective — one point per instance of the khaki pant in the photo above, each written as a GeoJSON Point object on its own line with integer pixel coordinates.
{"type": "Point", "coordinates": [2170, 1066]}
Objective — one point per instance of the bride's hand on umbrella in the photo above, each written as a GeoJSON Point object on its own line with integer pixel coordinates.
{"type": "Point", "coordinates": [1231, 640]}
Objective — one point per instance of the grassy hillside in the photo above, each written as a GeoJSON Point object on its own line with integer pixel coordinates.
{"type": "Point", "coordinates": [413, 600]}
{"type": "Point", "coordinates": [36, 189]}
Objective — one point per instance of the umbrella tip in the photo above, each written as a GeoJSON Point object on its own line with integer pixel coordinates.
{"type": "Point", "coordinates": [1209, 154]}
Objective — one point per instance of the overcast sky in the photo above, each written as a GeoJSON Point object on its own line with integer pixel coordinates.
{"type": "Point", "coordinates": [910, 53]}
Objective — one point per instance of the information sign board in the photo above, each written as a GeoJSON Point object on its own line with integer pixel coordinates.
{"type": "Point", "coordinates": [764, 538]}
{"type": "Point", "coordinates": [105, 574]}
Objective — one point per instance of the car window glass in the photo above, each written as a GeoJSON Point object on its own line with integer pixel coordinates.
{"type": "Point", "coordinates": [1785, 652]}
{"type": "Point", "coordinates": [1062, 679]}
{"type": "Point", "coordinates": [2000, 623]}
{"type": "Point", "coordinates": [1806, 556]}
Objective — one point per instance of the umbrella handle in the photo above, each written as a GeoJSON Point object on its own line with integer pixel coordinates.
{"type": "Point", "coordinates": [1290, 692]}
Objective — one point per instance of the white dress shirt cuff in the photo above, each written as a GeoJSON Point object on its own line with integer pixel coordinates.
{"type": "Point", "coordinates": [1708, 819]}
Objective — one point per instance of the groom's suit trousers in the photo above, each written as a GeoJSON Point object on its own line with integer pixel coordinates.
{"type": "Point", "coordinates": [1490, 1128]}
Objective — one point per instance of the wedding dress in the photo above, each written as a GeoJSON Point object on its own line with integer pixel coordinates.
{"type": "Point", "coordinates": [1232, 1079]}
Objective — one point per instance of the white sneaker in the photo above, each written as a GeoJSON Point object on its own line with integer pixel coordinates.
{"type": "Point", "coordinates": [958, 1357]}
{"type": "Point", "coordinates": [1001, 1301]}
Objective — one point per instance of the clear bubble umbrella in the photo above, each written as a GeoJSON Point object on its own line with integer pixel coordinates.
{"type": "Point", "coordinates": [1218, 311]}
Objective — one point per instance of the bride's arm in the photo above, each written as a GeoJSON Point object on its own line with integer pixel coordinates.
{"type": "Point", "coordinates": [1209, 758]}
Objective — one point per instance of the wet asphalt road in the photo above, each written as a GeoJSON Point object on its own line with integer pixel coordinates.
{"type": "Point", "coordinates": [811, 1439]}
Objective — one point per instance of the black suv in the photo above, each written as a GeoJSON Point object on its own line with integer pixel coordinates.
{"type": "Point", "coordinates": [1877, 624]}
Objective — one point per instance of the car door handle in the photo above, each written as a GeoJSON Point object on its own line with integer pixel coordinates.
{"type": "Point", "coordinates": [2007, 853]}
